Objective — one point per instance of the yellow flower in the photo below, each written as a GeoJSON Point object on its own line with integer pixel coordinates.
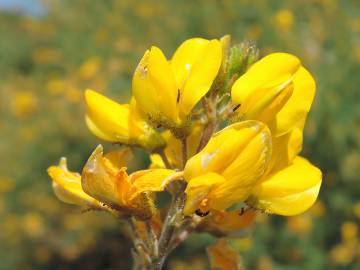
{"type": "Point", "coordinates": [105, 178]}
{"type": "Point", "coordinates": [349, 231]}
{"type": "Point", "coordinates": [67, 186]}
{"type": "Point", "coordinates": [292, 183]}
{"type": "Point", "coordinates": [284, 19]}
{"type": "Point", "coordinates": [89, 68]}
{"type": "Point", "coordinates": [167, 91]}
{"type": "Point", "coordinates": [225, 170]}
{"type": "Point", "coordinates": [276, 90]}
{"type": "Point", "coordinates": [173, 149]}
{"type": "Point", "coordinates": [122, 123]}
{"type": "Point", "coordinates": [24, 103]}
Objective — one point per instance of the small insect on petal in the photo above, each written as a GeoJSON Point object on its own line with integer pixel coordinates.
{"type": "Point", "coordinates": [201, 214]}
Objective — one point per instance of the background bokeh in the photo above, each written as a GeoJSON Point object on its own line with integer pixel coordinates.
{"type": "Point", "coordinates": [50, 51]}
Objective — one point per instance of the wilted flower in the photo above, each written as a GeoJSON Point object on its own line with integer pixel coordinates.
{"type": "Point", "coordinates": [105, 178]}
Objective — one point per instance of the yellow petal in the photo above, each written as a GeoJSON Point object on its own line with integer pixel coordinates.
{"type": "Point", "coordinates": [141, 132]}
{"type": "Point", "coordinates": [265, 103]}
{"type": "Point", "coordinates": [298, 176]}
{"type": "Point", "coordinates": [118, 159]}
{"type": "Point", "coordinates": [290, 205]}
{"type": "Point", "coordinates": [156, 162]}
{"type": "Point", "coordinates": [198, 189]}
{"type": "Point", "coordinates": [142, 89]}
{"type": "Point", "coordinates": [289, 191]}
{"type": "Point", "coordinates": [244, 172]}
{"type": "Point", "coordinates": [286, 148]}
{"type": "Point", "coordinates": [225, 147]}
{"type": "Point", "coordinates": [201, 76]}
{"type": "Point", "coordinates": [67, 186]}
{"type": "Point", "coordinates": [97, 131]}
{"type": "Point", "coordinates": [297, 107]}
{"type": "Point", "coordinates": [154, 86]}
{"type": "Point", "coordinates": [269, 71]}
{"type": "Point", "coordinates": [104, 181]}
{"type": "Point", "coordinates": [149, 180]}
{"type": "Point", "coordinates": [106, 118]}
{"type": "Point", "coordinates": [173, 148]}
{"type": "Point", "coordinates": [186, 55]}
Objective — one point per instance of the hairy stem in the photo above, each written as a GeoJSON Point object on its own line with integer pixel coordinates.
{"type": "Point", "coordinates": [184, 151]}
{"type": "Point", "coordinates": [152, 239]}
{"type": "Point", "coordinates": [173, 217]}
{"type": "Point", "coordinates": [165, 159]}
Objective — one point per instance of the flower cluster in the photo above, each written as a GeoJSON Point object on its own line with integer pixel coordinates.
{"type": "Point", "coordinates": [223, 130]}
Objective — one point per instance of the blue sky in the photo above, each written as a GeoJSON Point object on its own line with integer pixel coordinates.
{"type": "Point", "coordinates": [32, 7]}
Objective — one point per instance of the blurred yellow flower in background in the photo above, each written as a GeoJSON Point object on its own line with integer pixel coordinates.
{"type": "Point", "coordinates": [24, 103]}
{"type": "Point", "coordinates": [284, 19]}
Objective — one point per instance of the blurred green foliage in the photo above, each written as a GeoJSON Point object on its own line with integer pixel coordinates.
{"type": "Point", "coordinates": [47, 61]}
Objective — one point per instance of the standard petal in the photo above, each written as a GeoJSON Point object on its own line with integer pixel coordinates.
{"type": "Point", "coordinates": [164, 82]}
{"type": "Point", "coordinates": [106, 118]}
{"type": "Point", "coordinates": [289, 191]}
{"type": "Point", "coordinates": [186, 55]}
{"type": "Point", "coordinates": [154, 86]}
{"type": "Point", "coordinates": [143, 91]}
{"type": "Point", "coordinates": [201, 76]}
{"type": "Point", "coordinates": [297, 107]}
